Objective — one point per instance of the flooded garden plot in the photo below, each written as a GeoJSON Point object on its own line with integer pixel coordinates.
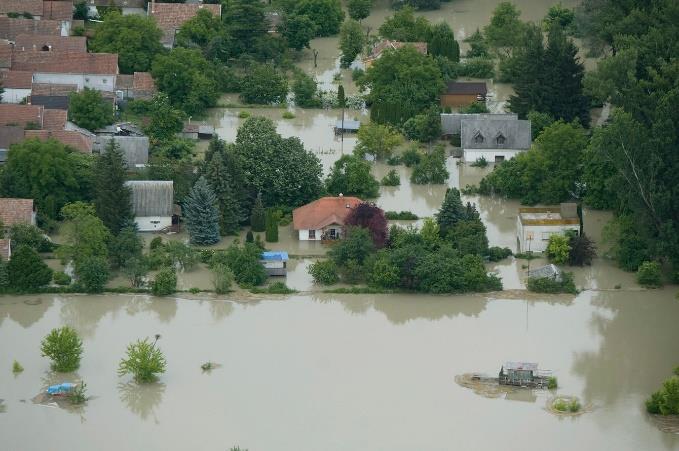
{"type": "Point", "coordinates": [341, 372]}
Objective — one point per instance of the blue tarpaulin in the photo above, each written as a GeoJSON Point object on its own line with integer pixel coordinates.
{"type": "Point", "coordinates": [60, 389]}
{"type": "Point", "coordinates": [275, 255]}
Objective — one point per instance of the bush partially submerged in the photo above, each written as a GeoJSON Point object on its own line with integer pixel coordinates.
{"type": "Point", "coordinates": [64, 347]}
{"type": "Point", "coordinates": [143, 360]}
{"type": "Point", "coordinates": [79, 394]}
{"type": "Point", "coordinates": [550, 285]}
{"type": "Point", "coordinates": [324, 272]}
{"type": "Point", "coordinates": [649, 275]}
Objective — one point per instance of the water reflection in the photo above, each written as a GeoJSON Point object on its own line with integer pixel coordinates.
{"type": "Point", "coordinates": [164, 308]}
{"type": "Point", "coordinates": [142, 399]}
{"type": "Point", "coordinates": [24, 310]}
{"type": "Point", "coordinates": [220, 309]}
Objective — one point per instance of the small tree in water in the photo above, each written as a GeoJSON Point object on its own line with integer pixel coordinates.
{"type": "Point", "coordinates": [144, 361]}
{"type": "Point", "coordinates": [64, 347]}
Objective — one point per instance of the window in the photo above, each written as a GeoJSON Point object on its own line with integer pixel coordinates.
{"type": "Point", "coordinates": [104, 81]}
{"type": "Point", "coordinates": [499, 158]}
{"type": "Point", "coordinates": [500, 139]}
{"type": "Point", "coordinates": [312, 234]}
{"type": "Point", "coordinates": [546, 235]}
{"type": "Point", "coordinates": [332, 233]}
{"type": "Point", "coordinates": [478, 138]}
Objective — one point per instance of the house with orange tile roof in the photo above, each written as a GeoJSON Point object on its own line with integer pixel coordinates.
{"type": "Point", "coordinates": [10, 27]}
{"type": "Point", "coordinates": [171, 16]}
{"type": "Point", "coordinates": [140, 85]}
{"type": "Point", "coordinates": [50, 43]}
{"type": "Point", "coordinates": [30, 7]}
{"type": "Point", "coordinates": [17, 85]}
{"type": "Point", "coordinates": [16, 211]}
{"type": "Point", "coordinates": [323, 219]}
{"type": "Point", "coordinates": [86, 70]}
{"type": "Point", "coordinates": [79, 140]}
{"type": "Point", "coordinates": [387, 44]}
{"type": "Point", "coordinates": [25, 116]}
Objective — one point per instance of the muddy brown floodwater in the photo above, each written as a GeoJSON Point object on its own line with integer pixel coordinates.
{"type": "Point", "coordinates": [330, 372]}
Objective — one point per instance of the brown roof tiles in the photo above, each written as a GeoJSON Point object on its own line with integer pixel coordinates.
{"type": "Point", "coordinates": [5, 55]}
{"type": "Point", "coordinates": [54, 119]}
{"type": "Point", "coordinates": [66, 62]}
{"type": "Point", "coordinates": [16, 79]}
{"type": "Point", "coordinates": [16, 211]}
{"type": "Point", "coordinates": [323, 212]}
{"type": "Point", "coordinates": [72, 138]}
{"type": "Point", "coordinates": [171, 16]}
{"type": "Point", "coordinates": [47, 89]}
{"type": "Point", "coordinates": [11, 114]}
{"type": "Point", "coordinates": [50, 42]}
{"type": "Point", "coordinates": [11, 28]}
{"type": "Point", "coordinates": [10, 135]}
{"type": "Point", "coordinates": [33, 7]}
{"type": "Point", "coordinates": [57, 10]}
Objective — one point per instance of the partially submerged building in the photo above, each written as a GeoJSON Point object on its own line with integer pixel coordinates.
{"type": "Point", "coordinates": [379, 48]}
{"type": "Point", "coordinates": [550, 271]}
{"type": "Point", "coordinates": [323, 219]}
{"type": "Point", "coordinates": [524, 374]}
{"type": "Point", "coordinates": [463, 93]}
{"type": "Point", "coordinates": [17, 85]}
{"type": "Point", "coordinates": [494, 139]}
{"type": "Point", "coordinates": [536, 224]}
{"type": "Point", "coordinates": [152, 204]}
{"type": "Point", "coordinates": [275, 262]}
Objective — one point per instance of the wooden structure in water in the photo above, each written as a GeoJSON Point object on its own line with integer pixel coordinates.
{"type": "Point", "coordinates": [523, 374]}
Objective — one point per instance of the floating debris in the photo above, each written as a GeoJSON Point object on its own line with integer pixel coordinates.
{"type": "Point", "coordinates": [484, 385]}
{"type": "Point", "coordinates": [567, 406]}
{"type": "Point", "coordinates": [209, 366]}
{"type": "Point", "coordinates": [667, 423]}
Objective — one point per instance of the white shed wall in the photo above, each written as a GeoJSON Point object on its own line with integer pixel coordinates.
{"type": "Point", "coordinates": [304, 235]}
{"type": "Point", "coordinates": [540, 235]}
{"type": "Point", "coordinates": [152, 223]}
{"type": "Point", "coordinates": [12, 95]}
{"type": "Point", "coordinates": [92, 81]}
{"type": "Point", "coordinates": [471, 155]}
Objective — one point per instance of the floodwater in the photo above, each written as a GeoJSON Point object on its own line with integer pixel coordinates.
{"type": "Point", "coordinates": [331, 372]}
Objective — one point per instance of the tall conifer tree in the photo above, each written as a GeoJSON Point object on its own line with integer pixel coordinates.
{"type": "Point", "coordinates": [224, 175]}
{"type": "Point", "coordinates": [257, 218]}
{"type": "Point", "coordinates": [112, 198]}
{"type": "Point", "coordinates": [201, 214]}
{"type": "Point", "coordinates": [451, 211]}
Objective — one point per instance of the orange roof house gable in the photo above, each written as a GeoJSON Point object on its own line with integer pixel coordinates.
{"type": "Point", "coordinates": [171, 16]}
{"type": "Point", "coordinates": [16, 211]}
{"type": "Point", "coordinates": [323, 212]}
{"type": "Point", "coordinates": [16, 79]}
{"type": "Point", "coordinates": [57, 10]}
{"type": "Point", "coordinates": [66, 62]}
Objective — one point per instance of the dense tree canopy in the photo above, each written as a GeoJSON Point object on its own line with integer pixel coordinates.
{"type": "Point", "coordinates": [359, 9]}
{"type": "Point", "coordinates": [327, 15]}
{"type": "Point", "coordinates": [352, 41]}
{"type": "Point", "coordinates": [264, 84]}
{"type": "Point", "coordinates": [298, 30]}
{"type": "Point", "coordinates": [404, 26]}
{"type": "Point", "coordinates": [505, 30]}
{"type": "Point", "coordinates": [201, 214]}
{"type": "Point", "coordinates": [89, 110]}
{"type": "Point", "coordinates": [350, 175]}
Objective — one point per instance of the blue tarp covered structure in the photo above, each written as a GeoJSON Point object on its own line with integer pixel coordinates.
{"type": "Point", "coordinates": [60, 389]}
{"type": "Point", "coordinates": [281, 256]}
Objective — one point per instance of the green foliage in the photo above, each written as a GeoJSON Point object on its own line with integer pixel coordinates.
{"type": "Point", "coordinates": [222, 278]}
{"type": "Point", "coordinates": [552, 383]}
{"type": "Point", "coordinates": [249, 237]}
{"type": "Point", "coordinates": [64, 348]}
{"type": "Point", "coordinates": [452, 211]}
{"type": "Point", "coordinates": [478, 48]}
{"type": "Point", "coordinates": [17, 368]}
{"type": "Point", "coordinates": [199, 31]}
{"type": "Point", "coordinates": [93, 274]}
{"type": "Point", "coordinates": [244, 262]}
{"type": "Point", "coordinates": [401, 215]}
{"type": "Point", "coordinates": [125, 246]}
{"type": "Point", "coordinates": [495, 253]}
{"type": "Point", "coordinates": [136, 269]}
{"type": "Point", "coordinates": [271, 223]}
{"type": "Point", "coordinates": [538, 122]}
{"type": "Point", "coordinates": [558, 249]}
{"type": "Point", "coordinates": [629, 246]}
{"type": "Point", "coordinates": [505, 29]}
{"type": "Point", "coordinates": [549, 285]}
{"type": "Point", "coordinates": [166, 121]}
{"type": "Point", "coordinates": [187, 78]}
{"type": "Point", "coordinates": [79, 394]}
{"type": "Point", "coordinates": [156, 242]}
{"type": "Point", "coordinates": [135, 38]}
{"type": "Point", "coordinates": [666, 400]}
{"type": "Point", "coordinates": [112, 198]}
{"type": "Point", "coordinates": [391, 179]}
{"type": "Point", "coordinates": [278, 168]}
{"type": "Point", "coordinates": [258, 215]}
{"type": "Point", "coordinates": [649, 275]}
{"type": "Point", "coordinates": [431, 169]}
{"type": "Point", "coordinates": [264, 84]}
{"type": "Point", "coordinates": [28, 235]}
{"type": "Point", "coordinates": [26, 271]}
{"type": "Point", "coordinates": [479, 163]}
{"type": "Point", "coordinates": [401, 84]}
{"type": "Point", "coordinates": [305, 90]}
{"type": "Point", "coordinates": [424, 127]}
{"type": "Point", "coordinates": [442, 42]}
{"type": "Point", "coordinates": [298, 30]}
{"type": "Point", "coordinates": [477, 68]}
{"type": "Point", "coordinates": [80, 10]}
{"type": "Point", "coordinates": [351, 42]}
{"type": "Point", "coordinates": [61, 278]}
{"type": "Point", "coordinates": [468, 236]}
{"type": "Point", "coordinates": [181, 255]}
{"type": "Point", "coordinates": [411, 156]}
{"type": "Point", "coordinates": [476, 107]}
{"type": "Point", "coordinates": [327, 15]}
{"type": "Point", "coordinates": [378, 140]}
{"type": "Point", "coordinates": [85, 234]}
{"type": "Point", "coordinates": [48, 172]}
{"type": "Point", "coordinates": [324, 272]}
{"type": "Point", "coordinates": [274, 288]}
{"type": "Point", "coordinates": [559, 16]}
{"type": "Point", "coordinates": [582, 250]}
{"type": "Point", "coordinates": [359, 9]}
{"type": "Point", "coordinates": [89, 110]}
{"type": "Point", "coordinates": [288, 115]}
{"type": "Point", "coordinates": [144, 360]}
{"type": "Point", "coordinates": [356, 245]}
{"type": "Point", "coordinates": [201, 214]}
{"type": "Point", "coordinates": [224, 173]}
{"type": "Point", "coordinates": [404, 26]}
{"type": "Point", "coordinates": [165, 282]}
{"type": "Point", "coordinates": [350, 175]}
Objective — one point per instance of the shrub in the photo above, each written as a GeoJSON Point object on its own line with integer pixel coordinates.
{"type": "Point", "coordinates": [93, 274]}
{"type": "Point", "coordinates": [558, 249]}
{"type": "Point", "coordinates": [394, 160]}
{"type": "Point", "coordinates": [288, 115]}
{"type": "Point", "coordinates": [324, 272]}
{"type": "Point", "coordinates": [79, 394]}
{"type": "Point", "coordinates": [666, 400]}
{"type": "Point", "coordinates": [411, 156]}
{"type": "Point", "coordinates": [222, 278]}
{"type": "Point", "coordinates": [249, 237]}
{"type": "Point", "coordinates": [275, 288]}
{"type": "Point", "coordinates": [480, 163]}
{"type": "Point", "coordinates": [574, 405]}
{"type": "Point", "coordinates": [476, 107]}
{"type": "Point", "coordinates": [552, 382]}
{"type": "Point", "coordinates": [549, 285]}
{"type": "Point", "coordinates": [649, 275]}
{"type": "Point", "coordinates": [495, 253]}
{"type": "Point", "coordinates": [582, 250]}
{"type": "Point", "coordinates": [61, 278]}
{"type": "Point", "coordinates": [156, 243]}
{"type": "Point", "coordinates": [165, 282]}
{"type": "Point", "coordinates": [391, 179]}
{"type": "Point", "coordinates": [271, 226]}
{"type": "Point", "coordinates": [182, 255]}
{"type": "Point", "coordinates": [401, 216]}
{"type": "Point", "coordinates": [64, 347]}
{"type": "Point", "coordinates": [431, 168]}
{"type": "Point", "coordinates": [243, 115]}
{"type": "Point", "coordinates": [144, 361]}
{"type": "Point", "coordinates": [16, 367]}
{"type": "Point", "coordinates": [244, 263]}
{"type": "Point", "coordinates": [26, 270]}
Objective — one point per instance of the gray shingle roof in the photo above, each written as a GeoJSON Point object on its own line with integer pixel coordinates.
{"type": "Point", "coordinates": [484, 133]}
{"type": "Point", "coordinates": [151, 197]}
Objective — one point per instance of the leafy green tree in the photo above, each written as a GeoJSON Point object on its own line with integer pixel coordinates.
{"type": "Point", "coordinates": [298, 30]}
{"type": "Point", "coordinates": [135, 269]}
{"type": "Point", "coordinates": [271, 234]}
{"type": "Point", "coordinates": [442, 42]}
{"type": "Point", "coordinates": [402, 83]}
{"type": "Point", "coordinates": [559, 15]}
{"type": "Point", "coordinates": [199, 31]}
{"type": "Point", "coordinates": [305, 90]}
{"type": "Point", "coordinates": [222, 278]}
{"type": "Point", "coordinates": [258, 215]}
{"type": "Point", "coordinates": [112, 198]}
{"type": "Point", "coordinates": [165, 122]}
{"type": "Point", "coordinates": [86, 235]}
{"type": "Point", "coordinates": [582, 250]}
{"type": "Point", "coordinates": [89, 110]}
{"type": "Point", "coordinates": [431, 168]}
{"type": "Point", "coordinates": [359, 9]}
{"type": "Point", "coordinates": [356, 245]}
{"type": "Point", "coordinates": [135, 38]}
{"type": "Point", "coordinates": [201, 214]}
{"type": "Point", "coordinates": [264, 84]}
{"type": "Point", "coordinates": [327, 15]}
{"type": "Point", "coordinates": [244, 263]}
{"type": "Point", "coordinates": [505, 29]}
{"type": "Point", "coordinates": [4, 276]}
{"type": "Point", "coordinates": [630, 245]}
{"type": "Point", "coordinates": [125, 246]}
{"type": "Point", "coordinates": [383, 272]}
{"type": "Point", "coordinates": [93, 273]}
{"type": "Point", "coordinates": [187, 78]}
{"type": "Point", "coordinates": [165, 282]}
{"type": "Point", "coordinates": [424, 127]}
{"type": "Point", "coordinates": [64, 347]}
{"type": "Point", "coordinates": [279, 168]}
{"type": "Point", "coordinates": [378, 140]}
{"type": "Point", "coordinates": [352, 41]}
{"type": "Point", "coordinates": [538, 122]}
{"type": "Point", "coordinates": [181, 255]}
{"type": "Point", "coordinates": [350, 175]}
{"type": "Point", "coordinates": [27, 235]}
{"type": "Point", "coordinates": [558, 249]}
{"type": "Point", "coordinates": [404, 26]}
{"type": "Point", "coordinates": [80, 10]}
{"type": "Point", "coordinates": [391, 179]}
{"type": "Point", "coordinates": [144, 360]}
{"type": "Point", "coordinates": [26, 271]}
{"type": "Point", "coordinates": [477, 45]}
{"type": "Point", "coordinates": [324, 272]}
{"type": "Point", "coordinates": [649, 275]}
{"type": "Point", "coordinates": [468, 236]}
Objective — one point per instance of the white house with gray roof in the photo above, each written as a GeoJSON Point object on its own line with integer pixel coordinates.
{"type": "Point", "coordinates": [152, 204]}
{"type": "Point", "coordinates": [495, 137]}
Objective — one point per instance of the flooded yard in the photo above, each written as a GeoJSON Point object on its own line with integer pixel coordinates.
{"type": "Point", "coordinates": [342, 372]}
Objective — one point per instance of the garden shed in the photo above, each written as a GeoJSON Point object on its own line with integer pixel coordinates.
{"type": "Point", "coordinates": [275, 262]}
{"type": "Point", "coordinates": [152, 204]}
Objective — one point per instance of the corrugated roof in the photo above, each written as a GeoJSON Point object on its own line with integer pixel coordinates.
{"type": "Point", "coordinates": [78, 141]}
{"type": "Point", "coordinates": [151, 197]}
{"type": "Point", "coordinates": [451, 123]}
{"type": "Point", "coordinates": [548, 271]}
{"type": "Point", "coordinates": [171, 16]}
{"type": "Point", "coordinates": [51, 102]}
{"type": "Point", "coordinates": [528, 366]}
{"type": "Point", "coordinates": [33, 7]}
{"type": "Point", "coordinates": [323, 212]}
{"type": "Point", "coordinates": [57, 10]}
{"type": "Point", "coordinates": [135, 149]}
{"type": "Point", "coordinates": [11, 114]}
{"type": "Point", "coordinates": [53, 43]}
{"type": "Point", "coordinates": [66, 62]}
{"type": "Point", "coordinates": [466, 87]}
{"type": "Point", "coordinates": [16, 79]}
{"type": "Point", "coordinates": [6, 55]}
{"type": "Point", "coordinates": [16, 211]}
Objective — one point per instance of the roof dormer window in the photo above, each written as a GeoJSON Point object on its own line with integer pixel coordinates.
{"type": "Point", "coordinates": [478, 138]}
{"type": "Point", "coordinates": [500, 139]}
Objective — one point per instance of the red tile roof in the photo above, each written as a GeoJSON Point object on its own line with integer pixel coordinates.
{"type": "Point", "coordinates": [80, 142]}
{"type": "Point", "coordinates": [387, 44]}
{"type": "Point", "coordinates": [57, 10]}
{"type": "Point", "coordinates": [171, 16]}
{"type": "Point", "coordinates": [6, 55]}
{"type": "Point", "coordinates": [10, 135]}
{"type": "Point", "coordinates": [5, 248]}
{"type": "Point", "coordinates": [16, 211]}
{"type": "Point", "coordinates": [54, 119]}
{"type": "Point", "coordinates": [16, 79]}
{"type": "Point", "coordinates": [11, 114]}
{"type": "Point", "coordinates": [124, 81]}
{"type": "Point", "coordinates": [66, 62]}
{"type": "Point", "coordinates": [11, 28]}
{"type": "Point", "coordinates": [33, 7]}
{"type": "Point", "coordinates": [143, 81]}
{"type": "Point", "coordinates": [47, 89]}
{"type": "Point", "coordinates": [323, 212]}
{"type": "Point", "coordinates": [55, 43]}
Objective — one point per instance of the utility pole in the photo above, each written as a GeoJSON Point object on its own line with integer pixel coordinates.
{"type": "Point", "coordinates": [341, 99]}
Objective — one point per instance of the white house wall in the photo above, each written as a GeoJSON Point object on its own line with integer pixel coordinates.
{"type": "Point", "coordinates": [471, 155]}
{"type": "Point", "coordinates": [15, 95]}
{"type": "Point", "coordinates": [304, 235]}
{"type": "Point", "coordinates": [152, 223]}
{"type": "Point", "coordinates": [535, 238]}
{"type": "Point", "coordinates": [92, 81]}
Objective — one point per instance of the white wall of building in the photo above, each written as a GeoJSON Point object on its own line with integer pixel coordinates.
{"type": "Point", "coordinates": [471, 155]}
{"type": "Point", "coordinates": [304, 235]}
{"type": "Point", "coordinates": [152, 223]}
{"type": "Point", "coordinates": [92, 81]}
{"type": "Point", "coordinates": [535, 238]}
{"type": "Point", "coordinates": [12, 95]}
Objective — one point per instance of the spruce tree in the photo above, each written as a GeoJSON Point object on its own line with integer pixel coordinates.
{"type": "Point", "coordinates": [225, 176]}
{"type": "Point", "coordinates": [201, 214]}
{"type": "Point", "coordinates": [271, 233]}
{"type": "Point", "coordinates": [112, 198]}
{"type": "Point", "coordinates": [529, 75]}
{"type": "Point", "coordinates": [257, 218]}
{"type": "Point", "coordinates": [451, 211]}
